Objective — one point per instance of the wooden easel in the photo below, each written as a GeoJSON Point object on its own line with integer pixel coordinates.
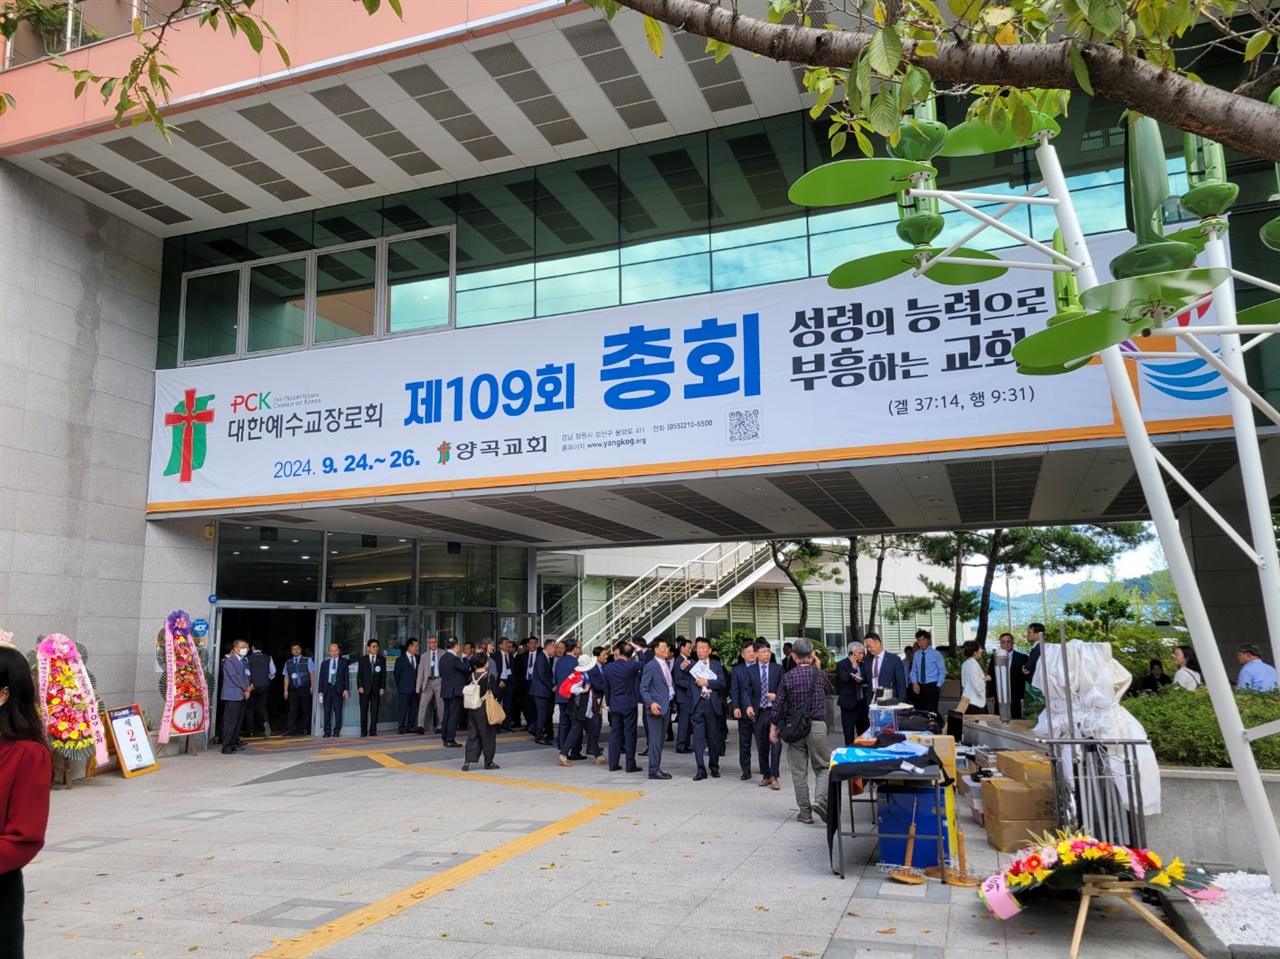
{"type": "Point", "coordinates": [1095, 887]}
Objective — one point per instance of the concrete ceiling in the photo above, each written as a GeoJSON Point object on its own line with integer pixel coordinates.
{"type": "Point", "coordinates": [1071, 483]}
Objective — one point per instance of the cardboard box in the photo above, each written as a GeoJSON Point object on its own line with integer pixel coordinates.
{"type": "Point", "coordinates": [944, 746]}
{"type": "Point", "coordinates": [1024, 766]}
{"type": "Point", "coordinates": [1012, 800]}
{"type": "Point", "coordinates": [1010, 835]}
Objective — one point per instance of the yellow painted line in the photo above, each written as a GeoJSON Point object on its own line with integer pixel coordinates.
{"type": "Point", "coordinates": [599, 794]}
{"type": "Point", "coordinates": [309, 943]}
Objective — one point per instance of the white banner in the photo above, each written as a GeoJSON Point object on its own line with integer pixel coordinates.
{"type": "Point", "coordinates": [789, 373]}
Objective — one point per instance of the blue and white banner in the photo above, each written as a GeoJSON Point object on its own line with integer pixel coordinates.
{"type": "Point", "coordinates": [790, 373]}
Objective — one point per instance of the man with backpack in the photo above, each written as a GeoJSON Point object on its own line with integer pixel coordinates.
{"type": "Point", "coordinates": [800, 720]}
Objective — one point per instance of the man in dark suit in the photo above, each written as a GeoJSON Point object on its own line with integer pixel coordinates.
{"type": "Point", "coordinates": [542, 692]}
{"type": "Point", "coordinates": [503, 660]}
{"type": "Point", "coordinates": [1017, 678]}
{"type": "Point", "coordinates": [455, 673]}
{"type": "Point", "coordinates": [763, 680]}
{"type": "Point", "coordinates": [1035, 637]}
{"type": "Point", "coordinates": [619, 681]}
{"type": "Point", "coordinates": [708, 680]}
{"type": "Point", "coordinates": [643, 656]}
{"type": "Point", "coordinates": [883, 670]}
{"type": "Point", "coordinates": [853, 699]}
{"type": "Point", "coordinates": [234, 695]}
{"type": "Point", "coordinates": [680, 666]}
{"type": "Point", "coordinates": [522, 676]}
{"type": "Point", "coordinates": [740, 701]}
{"type": "Point", "coordinates": [656, 693]}
{"type": "Point", "coordinates": [406, 675]}
{"type": "Point", "coordinates": [332, 679]}
{"type": "Point", "coordinates": [371, 682]}
{"type": "Point", "coordinates": [561, 669]}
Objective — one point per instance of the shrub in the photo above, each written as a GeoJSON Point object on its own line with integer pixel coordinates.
{"type": "Point", "coordinates": [1184, 730]}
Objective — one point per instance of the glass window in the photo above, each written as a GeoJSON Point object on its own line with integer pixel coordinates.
{"type": "Point", "coordinates": [418, 282]}
{"type": "Point", "coordinates": [271, 563]}
{"type": "Point", "coordinates": [212, 309]}
{"type": "Point", "coordinates": [577, 235]}
{"type": "Point", "coordinates": [456, 574]}
{"type": "Point", "coordinates": [495, 248]}
{"type": "Point", "coordinates": [344, 294]}
{"type": "Point", "coordinates": [513, 579]}
{"type": "Point", "coordinates": [377, 570]}
{"type": "Point", "coordinates": [277, 305]}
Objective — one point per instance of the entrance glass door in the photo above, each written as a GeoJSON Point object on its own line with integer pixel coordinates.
{"type": "Point", "coordinates": [392, 630]}
{"type": "Point", "coordinates": [350, 630]}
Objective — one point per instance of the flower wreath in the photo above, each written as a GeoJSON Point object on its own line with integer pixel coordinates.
{"type": "Point", "coordinates": [186, 699]}
{"type": "Point", "coordinates": [67, 702]}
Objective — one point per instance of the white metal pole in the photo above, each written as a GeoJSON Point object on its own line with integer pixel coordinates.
{"type": "Point", "coordinates": [1252, 475]}
{"type": "Point", "coordinates": [1262, 821]}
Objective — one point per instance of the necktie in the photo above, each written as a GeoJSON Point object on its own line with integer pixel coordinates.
{"type": "Point", "coordinates": [529, 671]}
{"type": "Point", "coordinates": [433, 665]}
{"type": "Point", "coordinates": [764, 687]}
{"type": "Point", "coordinates": [333, 671]}
{"type": "Point", "coordinates": [666, 672]}
{"type": "Point", "coordinates": [875, 671]}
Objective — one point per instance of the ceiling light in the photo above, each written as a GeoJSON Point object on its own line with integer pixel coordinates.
{"type": "Point", "coordinates": [306, 557]}
{"type": "Point", "coordinates": [235, 552]}
{"type": "Point", "coordinates": [333, 552]}
{"type": "Point", "coordinates": [285, 581]}
{"type": "Point", "coordinates": [248, 527]}
{"type": "Point", "coordinates": [264, 546]}
{"type": "Point", "coordinates": [293, 540]}
{"type": "Point", "coordinates": [404, 541]}
{"type": "Point", "coordinates": [923, 476]}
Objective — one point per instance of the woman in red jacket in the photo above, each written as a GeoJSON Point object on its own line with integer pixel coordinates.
{"type": "Point", "coordinates": [25, 771]}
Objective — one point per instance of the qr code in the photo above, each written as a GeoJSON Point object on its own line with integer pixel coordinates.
{"type": "Point", "coordinates": [744, 426]}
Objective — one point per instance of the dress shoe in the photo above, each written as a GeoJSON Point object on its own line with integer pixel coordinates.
{"type": "Point", "coordinates": [715, 772]}
{"type": "Point", "coordinates": [563, 761]}
{"type": "Point", "coordinates": [577, 757]}
{"type": "Point", "coordinates": [337, 735]}
{"type": "Point", "coordinates": [616, 769]}
{"type": "Point", "coordinates": [453, 745]}
{"type": "Point", "coordinates": [420, 731]}
{"type": "Point", "coordinates": [764, 781]}
{"type": "Point", "coordinates": [437, 729]}
{"type": "Point", "coordinates": [643, 752]}
{"type": "Point", "coordinates": [492, 766]}
{"type": "Point", "coordinates": [326, 735]}
{"type": "Point", "coordinates": [659, 775]}
{"type": "Point", "coordinates": [633, 769]}
{"type": "Point", "coordinates": [466, 767]}
{"type": "Point", "coordinates": [227, 751]}
{"type": "Point", "coordinates": [600, 760]}
{"type": "Point", "coordinates": [700, 775]}
{"type": "Point", "coordinates": [773, 783]}
{"type": "Point", "coordinates": [683, 750]}
{"type": "Point", "coordinates": [373, 732]}
{"type": "Point", "coordinates": [746, 774]}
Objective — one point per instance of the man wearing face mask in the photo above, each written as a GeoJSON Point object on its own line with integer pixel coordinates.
{"type": "Point", "coordinates": [235, 692]}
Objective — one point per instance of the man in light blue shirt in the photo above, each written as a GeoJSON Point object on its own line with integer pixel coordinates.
{"type": "Point", "coordinates": [928, 673]}
{"type": "Point", "coordinates": [1254, 673]}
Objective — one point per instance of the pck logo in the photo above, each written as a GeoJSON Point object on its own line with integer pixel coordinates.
{"type": "Point", "coordinates": [251, 402]}
{"type": "Point", "coordinates": [189, 420]}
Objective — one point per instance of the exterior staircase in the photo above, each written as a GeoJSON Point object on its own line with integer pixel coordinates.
{"type": "Point", "coordinates": [652, 602]}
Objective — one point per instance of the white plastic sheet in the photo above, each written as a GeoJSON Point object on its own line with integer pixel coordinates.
{"type": "Point", "coordinates": [1098, 683]}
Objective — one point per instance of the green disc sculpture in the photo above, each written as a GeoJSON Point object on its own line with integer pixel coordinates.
{"type": "Point", "coordinates": [974, 138]}
{"type": "Point", "coordinates": [1270, 231]}
{"type": "Point", "coordinates": [1066, 295]}
{"type": "Point", "coordinates": [920, 138]}
{"type": "Point", "coordinates": [1146, 187]}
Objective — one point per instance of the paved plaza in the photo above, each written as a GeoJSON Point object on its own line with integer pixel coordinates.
{"type": "Point", "coordinates": [384, 847]}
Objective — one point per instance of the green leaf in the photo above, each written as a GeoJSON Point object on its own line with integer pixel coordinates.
{"type": "Point", "coordinates": [1105, 16]}
{"type": "Point", "coordinates": [1080, 68]}
{"type": "Point", "coordinates": [926, 48]}
{"type": "Point", "coordinates": [653, 33]}
{"type": "Point", "coordinates": [838, 142]}
{"type": "Point", "coordinates": [252, 33]}
{"type": "Point", "coordinates": [884, 52]}
{"type": "Point", "coordinates": [396, 8]}
{"type": "Point", "coordinates": [284, 54]}
{"type": "Point", "coordinates": [137, 27]}
{"type": "Point", "coordinates": [883, 114]}
{"type": "Point", "coordinates": [1257, 43]}
{"type": "Point", "coordinates": [80, 88]}
{"type": "Point", "coordinates": [1023, 121]}
{"type": "Point", "coordinates": [995, 16]}
{"type": "Point", "coordinates": [964, 9]}
{"type": "Point", "coordinates": [371, 6]}
{"type": "Point", "coordinates": [107, 89]}
{"type": "Point", "coordinates": [864, 144]}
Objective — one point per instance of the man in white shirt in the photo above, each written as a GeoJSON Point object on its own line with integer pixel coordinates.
{"type": "Point", "coordinates": [429, 686]}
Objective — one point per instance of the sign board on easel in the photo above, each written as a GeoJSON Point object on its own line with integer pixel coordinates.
{"type": "Point", "coordinates": [128, 733]}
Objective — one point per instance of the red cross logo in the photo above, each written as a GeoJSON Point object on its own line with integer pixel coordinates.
{"type": "Point", "coordinates": [190, 418]}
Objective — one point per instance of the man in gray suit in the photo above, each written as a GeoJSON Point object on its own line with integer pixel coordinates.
{"type": "Point", "coordinates": [657, 690]}
{"type": "Point", "coordinates": [429, 695]}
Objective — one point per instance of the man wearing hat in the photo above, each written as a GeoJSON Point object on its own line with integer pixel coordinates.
{"type": "Point", "coordinates": [579, 706]}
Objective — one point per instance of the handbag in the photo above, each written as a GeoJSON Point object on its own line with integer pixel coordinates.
{"type": "Point", "coordinates": [471, 696]}
{"type": "Point", "coordinates": [795, 728]}
{"type": "Point", "coordinates": [493, 710]}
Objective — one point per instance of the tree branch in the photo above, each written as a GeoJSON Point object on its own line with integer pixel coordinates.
{"type": "Point", "coordinates": [1232, 119]}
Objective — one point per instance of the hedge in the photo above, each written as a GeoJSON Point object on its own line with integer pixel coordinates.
{"type": "Point", "coordinates": [1184, 730]}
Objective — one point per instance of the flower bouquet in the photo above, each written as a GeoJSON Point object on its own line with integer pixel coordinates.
{"type": "Point", "coordinates": [1065, 859]}
{"type": "Point", "coordinates": [67, 701]}
{"type": "Point", "coordinates": [183, 682]}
